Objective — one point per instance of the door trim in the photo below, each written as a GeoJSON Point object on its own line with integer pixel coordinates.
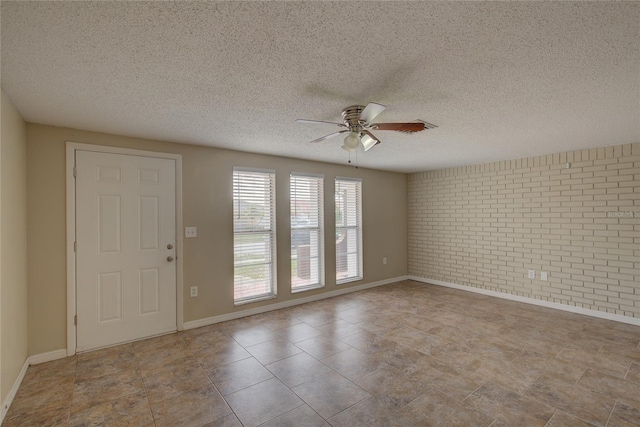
{"type": "Point", "coordinates": [71, 148]}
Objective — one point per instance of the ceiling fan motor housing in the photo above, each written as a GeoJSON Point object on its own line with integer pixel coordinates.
{"type": "Point", "coordinates": [351, 117]}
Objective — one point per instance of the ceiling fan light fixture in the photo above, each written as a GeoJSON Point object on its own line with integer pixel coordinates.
{"type": "Point", "coordinates": [367, 142]}
{"type": "Point", "coordinates": [351, 142]}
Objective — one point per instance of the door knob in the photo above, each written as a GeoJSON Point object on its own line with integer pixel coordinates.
{"type": "Point", "coordinates": [169, 246]}
{"type": "Point", "coordinates": [170, 258]}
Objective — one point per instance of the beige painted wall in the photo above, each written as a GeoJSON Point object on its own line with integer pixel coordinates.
{"type": "Point", "coordinates": [13, 251]}
{"type": "Point", "coordinates": [207, 204]}
{"type": "Point", "coordinates": [485, 225]}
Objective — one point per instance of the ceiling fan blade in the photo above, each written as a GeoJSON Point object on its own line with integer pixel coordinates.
{"type": "Point", "coordinates": [331, 135]}
{"type": "Point", "coordinates": [371, 111]}
{"type": "Point", "coordinates": [320, 121]}
{"type": "Point", "coordinates": [402, 127]}
{"type": "Point", "coordinates": [426, 124]}
{"type": "Point", "coordinates": [369, 140]}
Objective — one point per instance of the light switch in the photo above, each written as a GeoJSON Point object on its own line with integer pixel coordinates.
{"type": "Point", "coordinates": [544, 276]}
{"type": "Point", "coordinates": [190, 232]}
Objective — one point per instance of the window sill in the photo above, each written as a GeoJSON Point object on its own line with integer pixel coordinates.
{"type": "Point", "coordinates": [306, 288]}
{"type": "Point", "coordinates": [256, 299]}
{"type": "Point", "coordinates": [348, 280]}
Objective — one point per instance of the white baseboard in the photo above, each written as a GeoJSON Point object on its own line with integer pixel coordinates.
{"type": "Point", "coordinates": [31, 360]}
{"type": "Point", "coordinates": [14, 389]}
{"type": "Point", "coordinates": [527, 300]}
{"type": "Point", "coordinates": [250, 312]}
{"type": "Point", "coordinates": [36, 359]}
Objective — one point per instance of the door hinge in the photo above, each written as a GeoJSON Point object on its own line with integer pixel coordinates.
{"type": "Point", "coordinates": [75, 171]}
{"type": "Point", "coordinates": [75, 320]}
{"type": "Point", "coordinates": [75, 246]}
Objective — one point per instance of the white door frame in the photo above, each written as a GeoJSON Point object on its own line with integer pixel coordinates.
{"type": "Point", "coordinates": [71, 230]}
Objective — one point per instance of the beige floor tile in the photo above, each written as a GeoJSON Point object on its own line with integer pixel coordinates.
{"type": "Point", "coordinates": [357, 315]}
{"type": "Point", "coordinates": [61, 368]}
{"type": "Point", "coordinates": [447, 380]}
{"type": "Point", "coordinates": [253, 335]}
{"type": "Point", "coordinates": [45, 396]}
{"type": "Point", "coordinates": [616, 367]}
{"type": "Point", "coordinates": [128, 410]}
{"type": "Point", "coordinates": [330, 393]}
{"type": "Point", "coordinates": [572, 399]}
{"type": "Point", "coordinates": [435, 408]}
{"type": "Point", "coordinates": [392, 386]}
{"type": "Point", "coordinates": [455, 354]}
{"type": "Point", "coordinates": [93, 391]}
{"type": "Point", "coordinates": [297, 369]}
{"type": "Point", "coordinates": [275, 323]}
{"type": "Point", "coordinates": [368, 342]}
{"type": "Point", "coordinates": [262, 402]}
{"type": "Point", "coordinates": [495, 347]}
{"type": "Point", "coordinates": [561, 419]}
{"type": "Point", "coordinates": [228, 421]}
{"type": "Point", "coordinates": [302, 416]}
{"type": "Point", "coordinates": [316, 317]}
{"type": "Point", "coordinates": [322, 346]}
{"type": "Point", "coordinates": [621, 352]}
{"type": "Point", "coordinates": [238, 375]}
{"type": "Point", "coordinates": [381, 325]}
{"type": "Point", "coordinates": [353, 363]}
{"type": "Point", "coordinates": [450, 357]}
{"type": "Point", "coordinates": [410, 337]}
{"type": "Point", "coordinates": [549, 366]}
{"type": "Point", "coordinates": [420, 322]}
{"type": "Point", "coordinates": [168, 350]}
{"type": "Point", "coordinates": [613, 387]}
{"type": "Point", "coordinates": [222, 353]}
{"type": "Point", "coordinates": [507, 374]}
{"type": "Point", "coordinates": [509, 407]}
{"type": "Point", "coordinates": [272, 351]}
{"type": "Point", "coordinates": [403, 358]}
{"type": "Point", "coordinates": [175, 379]}
{"type": "Point", "coordinates": [633, 374]}
{"type": "Point", "coordinates": [624, 416]}
{"type": "Point", "coordinates": [201, 338]}
{"type": "Point", "coordinates": [625, 337]}
{"type": "Point", "coordinates": [106, 362]}
{"type": "Point", "coordinates": [299, 332]}
{"type": "Point", "coordinates": [370, 412]}
{"type": "Point", "coordinates": [191, 409]}
{"type": "Point", "coordinates": [339, 329]}
{"type": "Point", "coordinates": [40, 417]}
{"type": "Point", "coordinates": [164, 342]}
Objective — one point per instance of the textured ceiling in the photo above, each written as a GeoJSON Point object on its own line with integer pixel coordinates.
{"type": "Point", "coordinates": [501, 80]}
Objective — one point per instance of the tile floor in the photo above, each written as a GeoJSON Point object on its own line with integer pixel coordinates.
{"type": "Point", "coordinates": [407, 354]}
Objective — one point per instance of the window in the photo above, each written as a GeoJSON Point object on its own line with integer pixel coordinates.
{"type": "Point", "coordinates": [348, 230]}
{"type": "Point", "coordinates": [254, 246]}
{"type": "Point", "coordinates": [307, 232]}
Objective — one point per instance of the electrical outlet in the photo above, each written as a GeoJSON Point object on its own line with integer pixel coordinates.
{"type": "Point", "coordinates": [194, 291]}
{"type": "Point", "coordinates": [190, 232]}
{"type": "Point", "coordinates": [384, 260]}
{"type": "Point", "coordinates": [532, 274]}
{"type": "Point", "coordinates": [544, 276]}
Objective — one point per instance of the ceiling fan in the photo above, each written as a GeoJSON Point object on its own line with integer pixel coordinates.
{"type": "Point", "coordinates": [356, 121]}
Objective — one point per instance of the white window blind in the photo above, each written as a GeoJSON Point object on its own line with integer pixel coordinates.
{"type": "Point", "coordinates": [307, 231]}
{"type": "Point", "coordinates": [348, 198]}
{"type": "Point", "coordinates": [253, 235]}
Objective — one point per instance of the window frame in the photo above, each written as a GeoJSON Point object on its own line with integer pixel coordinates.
{"type": "Point", "coordinates": [319, 229]}
{"type": "Point", "coordinates": [271, 232]}
{"type": "Point", "coordinates": [358, 227]}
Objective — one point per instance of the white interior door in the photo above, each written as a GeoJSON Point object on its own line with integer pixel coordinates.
{"type": "Point", "coordinates": [126, 237]}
